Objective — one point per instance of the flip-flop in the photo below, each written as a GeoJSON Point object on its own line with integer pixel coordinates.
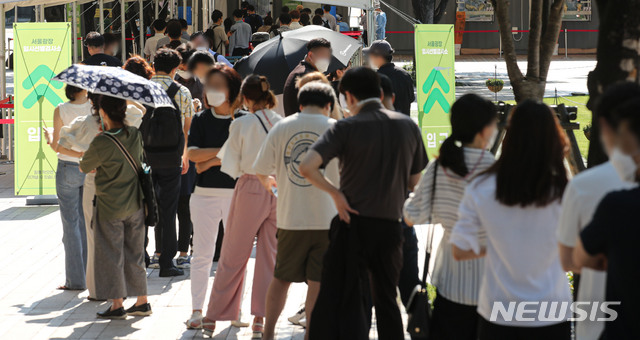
{"type": "Point", "coordinates": [67, 288]}
{"type": "Point", "coordinates": [94, 299]}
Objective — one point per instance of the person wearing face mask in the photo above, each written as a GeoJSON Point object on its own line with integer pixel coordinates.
{"type": "Point", "coordinates": [118, 218]}
{"type": "Point", "coordinates": [610, 241]}
{"type": "Point", "coordinates": [585, 192]}
{"type": "Point", "coordinates": [184, 77]}
{"type": "Point", "coordinates": [211, 198]}
{"type": "Point", "coordinates": [203, 42]}
{"type": "Point", "coordinates": [366, 236]}
{"type": "Point", "coordinates": [318, 58]}
{"type": "Point", "coordinates": [166, 176]}
{"type": "Point", "coordinates": [463, 155]}
{"type": "Point", "coordinates": [304, 212]}
{"type": "Point", "coordinates": [252, 214]}
{"type": "Point", "coordinates": [380, 56]}
{"type": "Point", "coordinates": [199, 65]}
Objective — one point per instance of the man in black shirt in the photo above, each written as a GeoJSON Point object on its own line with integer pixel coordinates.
{"type": "Point", "coordinates": [381, 157]}
{"type": "Point", "coordinates": [610, 241]}
{"type": "Point", "coordinates": [94, 42]}
{"type": "Point", "coordinates": [380, 55]}
{"type": "Point", "coordinates": [318, 58]}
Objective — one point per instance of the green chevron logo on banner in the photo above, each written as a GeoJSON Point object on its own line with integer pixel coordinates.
{"type": "Point", "coordinates": [44, 72]}
{"type": "Point", "coordinates": [435, 94]}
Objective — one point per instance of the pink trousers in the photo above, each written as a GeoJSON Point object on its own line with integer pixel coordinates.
{"type": "Point", "coordinates": [252, 214]}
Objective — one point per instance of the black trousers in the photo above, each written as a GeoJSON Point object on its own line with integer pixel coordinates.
{"type": "Point", "coordinates": [167, 185]}
{"type": "Point", "coordinates": [185, 227]}
{"type": "Point", "coordinates": [409, 275]}
{"type": "Point", "coordinates": [363, 260]}
{"type": "Point", "coordinates": [453, 321]}
{"type": "Point", "coordinates": [492, 331]}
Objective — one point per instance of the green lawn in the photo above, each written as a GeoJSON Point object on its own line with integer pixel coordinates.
{"type": "Point", "coordinates": [584, 117]}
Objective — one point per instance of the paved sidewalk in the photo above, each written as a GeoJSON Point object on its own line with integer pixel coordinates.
{"type": "Point", "coordinates": [32, 308]}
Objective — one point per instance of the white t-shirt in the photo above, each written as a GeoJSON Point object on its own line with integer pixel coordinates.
{"type": "Point", "coordinates": [246, 135]}
{"type": "Point", "coordinates": [68, 113]}
{"type": "Point", "coordinates": [522, 262]}
{"type": "Point", "coordinates": [301, 206]}
{"type": "Point", "coordinates": [581, 198]}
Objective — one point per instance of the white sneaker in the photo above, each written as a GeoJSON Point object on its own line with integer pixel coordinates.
{"type": "Point", "coordinates": [303, 322]}
{"type": "Point", "coordinates": [299, 316]}
{"type": "Point", "coordinates": [195, 321]}
{"type": "Point", "coordinates": [183, 262]}
{"type": "Point", "coordinates": [155, 262]}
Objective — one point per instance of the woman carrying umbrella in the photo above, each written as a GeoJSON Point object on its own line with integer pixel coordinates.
{"type": "Point", "coordinates": [118, 219]}
{"type": "Point", "coordinates": [69, 183]}
{"type": "Point", "coordinates": [75, 139]}
{"type": "Point", "coordinates": [252, 213]}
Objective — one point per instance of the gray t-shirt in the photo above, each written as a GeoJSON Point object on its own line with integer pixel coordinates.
{"type": "Point", "coordinates": [240, 37]}
{"type": "Point", "coordinates": [378, 151]}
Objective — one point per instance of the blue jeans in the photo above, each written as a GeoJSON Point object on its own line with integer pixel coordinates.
{"type": "Point", "coordinates": [69, 182]}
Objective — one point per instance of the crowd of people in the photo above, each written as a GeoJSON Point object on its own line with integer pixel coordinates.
{"type": "Point", "coordinates": [327, 188]}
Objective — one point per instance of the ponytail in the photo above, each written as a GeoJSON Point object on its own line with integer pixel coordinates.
{"type": "Point", "coordinates": [452, 156]}
{"type": "Point", "coordinates": [257, 89]}
{"type": "Point", "coordinates": [469, 116]}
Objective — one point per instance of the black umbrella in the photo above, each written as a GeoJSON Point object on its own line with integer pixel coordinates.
{"type": "Point", "coordinates": [278, 56]}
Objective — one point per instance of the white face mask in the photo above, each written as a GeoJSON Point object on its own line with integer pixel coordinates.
{"type": "Point", "coordinates": [624, 164]}
{"type": "Point", "coordinates": [216, 98]}
{"type": "Point", "coordinates": [183, 74]}
{"type": "Point", "coordinates": [202, 48]}
{"type": "Point", "coordinates": [322, 65]}
{"type": "Point", "coordinates": [373, 65]}
{"type": "Point", "coordinates": [115, 50]}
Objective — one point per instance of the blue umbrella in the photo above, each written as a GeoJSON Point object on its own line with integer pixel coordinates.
{"type": "Point", "coordinates": [115, 82]}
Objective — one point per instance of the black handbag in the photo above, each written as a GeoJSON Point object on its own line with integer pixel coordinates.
{"type": "Point", "coordinates": [146, 182]}
{"type": "Point", "coordinates": [418, 307]}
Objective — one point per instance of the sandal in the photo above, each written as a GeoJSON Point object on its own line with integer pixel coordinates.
{"type": "Point", "coordinates": [258, 328]}
{"type": "Point", "coordinates": [94, 299]}
{"type": "Point", "coordinates": [195, 321]}
{"type": "Point", "coordinates": [208, 327]}
{"type": "Point", "coordinates": [239, 323]}
{"type": "Point", "coordinates": [67, 288]}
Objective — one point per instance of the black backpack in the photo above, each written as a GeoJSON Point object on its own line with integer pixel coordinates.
{"type": "Point", "coordinates": [325, 23]}
{"type": "Point", "coordinates": [162, 134]}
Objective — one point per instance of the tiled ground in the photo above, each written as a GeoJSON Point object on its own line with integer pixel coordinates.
{"type": "Point", "coordinates": [33, 266]}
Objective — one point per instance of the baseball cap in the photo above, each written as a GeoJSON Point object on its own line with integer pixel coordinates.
{"type": "Point", "coordinates": [379, 47]}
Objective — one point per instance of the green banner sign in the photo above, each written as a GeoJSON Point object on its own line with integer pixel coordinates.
{"type": "Point", "coordinates": [41, 50]}
{"type": "Point", "coordinates": [435, 82]}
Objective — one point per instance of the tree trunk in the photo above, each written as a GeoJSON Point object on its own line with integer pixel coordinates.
{"type": "Point", "coordinates": [618, 60]}
{"type": "Point", "coordinates": [543, 36]}
{"type": "Point", "coordinates": [427, 11]}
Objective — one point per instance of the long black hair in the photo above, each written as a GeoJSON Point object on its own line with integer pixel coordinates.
{"type": "Point", "coordinates": [469, 115]}
{"type": "Point", "coordinates": [530, 170]}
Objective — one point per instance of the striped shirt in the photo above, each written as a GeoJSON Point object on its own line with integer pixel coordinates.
{"type": "Point", "coordinates": [182, 98]}
{"type": "Point", "coordinates": [458, 281]}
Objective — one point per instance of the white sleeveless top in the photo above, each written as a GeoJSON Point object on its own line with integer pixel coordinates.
{"type": "Point", "coordinates": [69, 112]}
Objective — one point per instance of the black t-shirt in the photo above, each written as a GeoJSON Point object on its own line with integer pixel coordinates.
{"type": "Point", "coordinates": [290, 91]}
{"type": "Point", "coordinates": [402, 86]}
{"type": "Point", "coordinates": [101, 59]}
{"type": "Point", "coordinates": [194, 86]}
{"type": "Point", "coordinates": [209, 131]}
{"type": "Point", "coordinates": [378, 151]}
{"type": "Point", "coordinates": [615, 232]}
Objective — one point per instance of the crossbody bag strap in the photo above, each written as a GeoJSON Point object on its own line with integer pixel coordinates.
{"type": "Point", "coordinates": [431, 228]}
{"type": "Point", "coordinates": [262, 123]}
{"type": "Point", "coordinates": [125, 152]}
